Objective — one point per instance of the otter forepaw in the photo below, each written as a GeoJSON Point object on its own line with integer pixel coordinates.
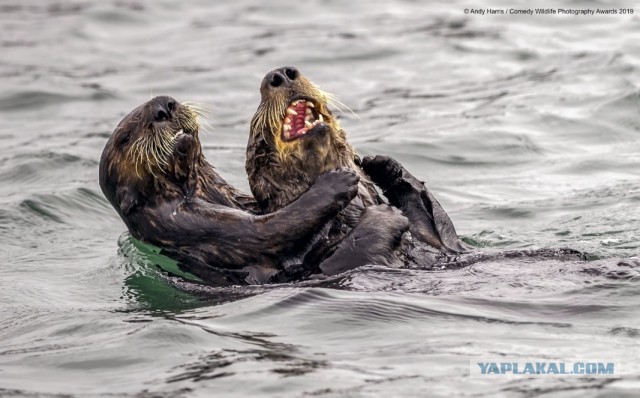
{"type": "Point", "coordinates": [343, 183]}
{"type": "Point", "coordinates": [384, 171]}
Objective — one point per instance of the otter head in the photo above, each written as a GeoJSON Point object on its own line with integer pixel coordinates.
{"type": "Point", "coordinates": [153, 151]}
{"type": "Point", "coordinates": [294, 121]}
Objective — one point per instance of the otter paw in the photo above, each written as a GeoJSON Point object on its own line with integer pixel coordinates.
{"type": "Point", "coordinates": [343, 183]}
{"type": "Point", "coordinates": [383, 170]}
{"type": "Point", "coordinates": [182, 145]}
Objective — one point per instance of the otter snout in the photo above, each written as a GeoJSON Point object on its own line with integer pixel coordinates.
{"type": "Point", "coordinates": [281, 77]}
{"type": "Point", "coordinates": [162, 108]}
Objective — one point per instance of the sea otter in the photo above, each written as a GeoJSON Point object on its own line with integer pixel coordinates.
{"type": "Point", "coordinates": [294, 138]}
{"type": "Point", "coordinates": [154, 174]}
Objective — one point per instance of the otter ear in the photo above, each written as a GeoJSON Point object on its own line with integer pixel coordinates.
{"type": "Point", "coordinates": [127, 198]}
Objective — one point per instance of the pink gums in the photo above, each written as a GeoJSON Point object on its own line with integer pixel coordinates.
{"type": "Point", "coordinates": [297, 121]}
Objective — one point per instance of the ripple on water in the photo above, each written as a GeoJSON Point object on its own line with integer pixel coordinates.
{"type": "Point", "coordinates": [525, 130]}
{"type": "Point", "coordinates": [23, 101]}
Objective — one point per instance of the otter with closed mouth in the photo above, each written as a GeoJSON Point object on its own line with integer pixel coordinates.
{"type": "Point", "coordinates": [294, 138]}
{"type": "Point", "coordinates": [154, 174]}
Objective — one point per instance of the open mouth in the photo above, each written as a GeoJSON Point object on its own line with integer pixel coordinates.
{"type": "Point", "coordinates": [301, 117]}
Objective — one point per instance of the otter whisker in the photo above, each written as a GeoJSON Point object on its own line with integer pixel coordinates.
{"type": "Point", "coordinates": [202, 112]}
{"type": "Point", "coordinates": [154, 149]}
{"type": "Point", "coordinates": [144, 155]}
{"type": "Point", "coordinates": [206, 126]}
{"type": "Point", "coordinates": [138, 151]}
{"type": "Point", "coordinates": [199, 109]}
{"type": "Point", "coordinates": [333, 100]}
{"type": "Point", "coordinates": [194, 104]}
{"type": "Point", "coordinates": [194, 117]}
{"type": "Point", "coordinates": [161, 149]}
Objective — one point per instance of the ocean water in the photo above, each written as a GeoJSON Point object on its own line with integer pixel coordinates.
{"type": "Point", "coordinates": [526, 128]}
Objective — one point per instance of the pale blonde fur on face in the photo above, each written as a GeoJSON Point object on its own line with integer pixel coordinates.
{"type": "Point", "coordinates": [154, 146]}
{"type": "Point", "coordinates": [268, 119]}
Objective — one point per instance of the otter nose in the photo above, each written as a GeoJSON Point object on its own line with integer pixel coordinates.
{"type": "Point", "coordinates": [282, 76]}
{"type": "Point", "coordinates": [162, 107]}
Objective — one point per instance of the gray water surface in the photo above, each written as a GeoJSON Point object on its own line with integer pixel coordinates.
{"type": "Point", "coordinates": [526, 128]}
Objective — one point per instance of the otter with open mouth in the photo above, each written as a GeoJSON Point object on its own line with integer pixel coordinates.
{"type": "Point", "coordinates": [295, 137]}
{"type": "Point", "coordinates": [154, 174]}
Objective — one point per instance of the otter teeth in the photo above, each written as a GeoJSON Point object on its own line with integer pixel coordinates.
{"type": "Point", "coordinates": [309, 126]}
{"type": "Point", "coordinates": [291, 124]}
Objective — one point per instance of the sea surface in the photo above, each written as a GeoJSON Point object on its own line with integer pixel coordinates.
{"type": "Point", "coordinates": [526, 128]}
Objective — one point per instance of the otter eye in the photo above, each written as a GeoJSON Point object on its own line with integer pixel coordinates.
{"type": "Point", "coordinates": [171, 105]}
{"type": "Point", "coordinates": [124, 140]}
{"type": "Point", "coordinates": [291, 73]}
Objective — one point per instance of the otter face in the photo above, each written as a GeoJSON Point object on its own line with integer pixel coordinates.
{"type": "Point", "coordinates": [155, 145]}
{"type": "Point", "coordinates": [294, 138]}
{"type": "Point", "coordinates": [148, 137]}
{"type": "Point", "coordinates": [291, 109]}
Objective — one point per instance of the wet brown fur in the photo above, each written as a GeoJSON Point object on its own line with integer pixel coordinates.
{"type": "Point", "coordinates": [279, 171]}
{"type": "Point", "coordinates": [168, 195]}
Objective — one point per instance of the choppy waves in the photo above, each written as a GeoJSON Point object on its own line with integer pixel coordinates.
{"type": "Point", "coordinates": [525, 128]}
